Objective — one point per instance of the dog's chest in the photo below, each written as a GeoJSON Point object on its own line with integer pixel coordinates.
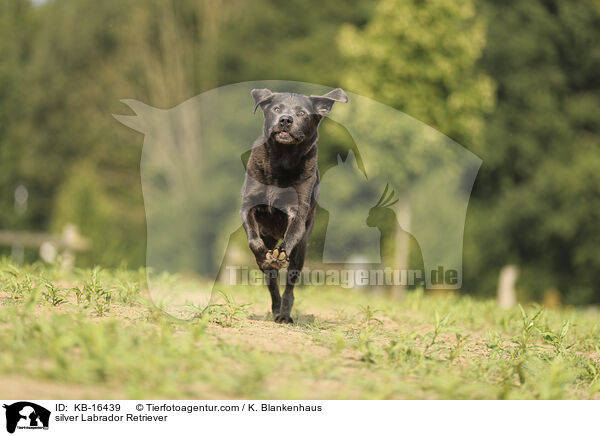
{"type": "Point", "coordinates": [280, 198]}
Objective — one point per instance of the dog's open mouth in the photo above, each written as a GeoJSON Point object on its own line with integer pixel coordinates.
{"type": "Point", "coordinates": [286, 138]}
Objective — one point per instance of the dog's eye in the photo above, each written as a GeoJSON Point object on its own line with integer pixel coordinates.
{"type": "Point", "coordinates": [301, 113]}
{"type": "Point", "coordinates": [277, 109]}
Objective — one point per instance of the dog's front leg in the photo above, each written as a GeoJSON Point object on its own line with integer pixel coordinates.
{"type": "Point", "coordinates": [255, 242]}
{"type": "Point", "coordinates": [259, 249]}
{"type": "Point", "coordinates": [294, 232]}
{"type": "Point", "coordinates": [297, 217]}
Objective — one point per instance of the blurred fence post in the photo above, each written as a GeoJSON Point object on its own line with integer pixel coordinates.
{"type": "Point", "coordinates": [72, 242]}
{"type": "Point", "coordinates": [507, 295]}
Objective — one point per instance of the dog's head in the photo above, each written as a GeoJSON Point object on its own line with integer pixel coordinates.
{"type": "Point", "coordinates": [294, 118]}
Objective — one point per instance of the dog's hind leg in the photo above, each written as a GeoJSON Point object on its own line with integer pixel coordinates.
{"type": "Point", "coordinates": [271, 277]}
{"type": "Point", "coordinates": [293, 274]}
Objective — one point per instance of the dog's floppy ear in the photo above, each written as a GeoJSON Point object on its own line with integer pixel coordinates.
{"type": "Point", "coordinates": [261, 96]}
{"type": "Point", "coordinates": [324, 103]}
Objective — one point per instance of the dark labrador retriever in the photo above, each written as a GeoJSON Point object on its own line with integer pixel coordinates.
{"type": "Point", "coordinates": [281, 187]}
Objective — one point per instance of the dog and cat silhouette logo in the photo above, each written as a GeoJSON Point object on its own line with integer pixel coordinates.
{"type": "Point", "coordinates": [388, 183]}
{"type": "Point", "coordinates": [26, 415]}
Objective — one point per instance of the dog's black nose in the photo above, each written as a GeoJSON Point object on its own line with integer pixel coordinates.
{"type": "Point", "coordinates": [286, 120]}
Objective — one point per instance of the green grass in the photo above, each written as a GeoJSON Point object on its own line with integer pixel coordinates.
{"type": "Point", "coordinates": [98, 330]}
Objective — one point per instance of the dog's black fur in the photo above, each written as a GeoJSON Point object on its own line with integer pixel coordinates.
{"type": "Point", "coordinates": [281, 187]}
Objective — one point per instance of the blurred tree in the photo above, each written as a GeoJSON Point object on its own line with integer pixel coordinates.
{"type": "Point", "coordinates": [86, 56]}
{"type": "Point", "coordinates": [71, 87]}
{"type": "Point", "coordinates": [537, 198]}
{"type": "Point", "coordinates": [421, 57]}
{"type": "Point", "coordinates": [16, 30]}
{"type": "Point", "coordinates": [295, 41]}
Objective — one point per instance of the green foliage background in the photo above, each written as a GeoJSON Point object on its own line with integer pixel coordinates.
{"type": "Point", "coordinates": [515, 82]}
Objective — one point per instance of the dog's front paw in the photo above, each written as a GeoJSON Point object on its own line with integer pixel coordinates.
{"type": "Point", "coordinates": [283, 318]}
{"type": "Point", "coordinates": [277, 258]}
